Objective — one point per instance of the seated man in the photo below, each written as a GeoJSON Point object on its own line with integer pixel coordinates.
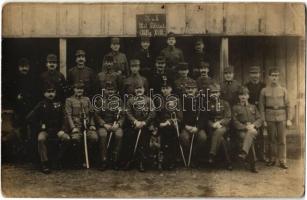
{"type": "Point", "coordinates": [247, 120]}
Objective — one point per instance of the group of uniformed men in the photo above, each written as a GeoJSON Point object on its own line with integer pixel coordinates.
{"type": "Point", "coordinates": [121, 131]}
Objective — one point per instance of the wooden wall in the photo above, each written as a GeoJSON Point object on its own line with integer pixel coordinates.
{"type": "Point", "coordinates": [103, 20]}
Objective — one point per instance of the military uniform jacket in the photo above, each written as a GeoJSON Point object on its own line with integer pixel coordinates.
{"type": "Point", "coordinates": [274, 103]}
{"type": "Point", "coordinates": [164, 113]}
{"type": "Point", "coordinates": [109, 112]}
{"type": "Point", "coordinates": [58, 79]}
{"type": "Point", "coordinates": [180, 84]}
{"type": "Point", "coordinates": [138, 108]}
{"type": "Point", "coordinates": [254, 91]}
{"type": "Point", "coordinates": [146, 60]}
{"type": "Point", "coordinates": [192, 115]}
{"type": "Point", "coordinates": [129, 83]}
{"type": "Point", "coordinates": [219, 111]}
{"type": "Point", "coordinates": [76, 108]}
{"type": "Point", "coordinates": [50, 114]}
{"type": "Point", "coordinates": [172, 55]}
{"type": "Point", "coordinates": [108, 76]}
{"type": "Point", "coordinates": [229, 91]}
{"type": "Point", "coordinates": [243, 114]}
{"type": "Point", "coordinates": [120, 62]}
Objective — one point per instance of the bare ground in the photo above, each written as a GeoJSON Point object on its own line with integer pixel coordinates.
{"type": "Point", "coordinates": [24, 181]}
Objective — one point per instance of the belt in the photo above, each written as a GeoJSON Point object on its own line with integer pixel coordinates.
{"type": "Point", "coordinates": [276, 107]}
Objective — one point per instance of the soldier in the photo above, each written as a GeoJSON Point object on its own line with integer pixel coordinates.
{"type": "Point", "coordinates": [197, 58]}
{"type": "Point", "coordinates": [219, 113]}
{"type": "Point", "coordinates": [230, 87]}
{"type": "Point", "coordinates": [84, 74]}
{"type": "Point", "coordinates": [204, 81]}
{"type": "Point", "coordinates": [55, 77]}
{"type": "Point", "coordinates": [193, 123]}
{"type": "Point", "coordinates": [128, 85]}
{"type": "Point", "coordinates": [140, 113]}
{"type": "Point", "coordinates": [79, 112]}
{"type": "Point", "coordinates": [108, 75]}
{"type": "Point", "coordinates": [110, 121]}
{"type": "Point", "coordinates": [157, 78]}
{"type": "Point", "coordinates": [145, 57]}
{"type": "Point", "coordinates": [49, 116]}
{"type": "Point", "coordinates": [120, 60]}
{"type": "Point", "coordinates": [254, 85]}
{"type": "Point", "coordinates": [247, 121]}
{"type": "Point", "coordinates": [275, 112]}
{"type": "Point", "coordinates": [172, 54]}
{"type": "Point", "coordinates": [183, 78]}
{"type": "Point", "coordinates": [168, 117]}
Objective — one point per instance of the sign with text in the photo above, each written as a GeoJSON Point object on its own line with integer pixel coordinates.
{"type": "Point", "coordinates": [151, 25]}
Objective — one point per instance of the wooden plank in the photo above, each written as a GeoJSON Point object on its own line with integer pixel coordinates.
{"type": "Point", "coordinates": [301, 84]}
{"type": "Point", "coordinates": [234, 14]}
{"type": "Point", "coordinates": [195, 19]}
{"type": "Point", "coordinates": [224, 57]}
{"type": "Point", "coordinates": [113, 19]}
{"type": "Point", "coordinates": [45, 19]}
{"type": "Point", "coordinates": [12, 19]}
{"type": "Point", "coordinates": [28, 19]}
{"type": "Point", "coordinates": [175, 18]}
{"type": "Point", "coordinates": [281, 59]}
{"type": "Point", "coordinates": [90, 16]}
{"type": "Point", "coordinates": [255, 18]}
{"type": "Point", "coordinates": [154, 8]}
{"type": "Point", "coordinates": [130, 12]}
{"type": "Point", "coordinates": [63, 56]}
{"type": "Point", "coordinates": [295, 19]}
{"type": "Point", "coordinates": [275, 18]}
{"type": "Point", "coordinates": [214, 18]}
{"type": "Point", "coordinates": [68, 20]}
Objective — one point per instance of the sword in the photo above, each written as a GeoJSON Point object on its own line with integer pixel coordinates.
{"type": "Point", "coordinates": [191, 149]}
{"type": "Point", "coordinates": [111, 134]}
{"type": "Point", "coordinates": [137, 141]}
{"type": "Point", "coordinates": [85, 138]}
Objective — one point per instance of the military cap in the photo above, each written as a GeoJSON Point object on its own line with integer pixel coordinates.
{"type": "Point", "coordinates": [273, 70]}
{"type": "Point", "coordinates": [199, 41]}
{"type": "Point", "coordinates": [110, 86]}
{"type": "Point", "coordinates": [115, 40]}
{"type": "Point", "coordinates": [204, 64]}
{"type": "Point", "coordinates": [108, 59]}
{"type": "Point", "coordinates": [160, 59]}
{"type": "Point", "coordinates": [191, 84]}
{"type": "Point", "coordinates": [135, 61]}
{"type": "Point", "coordinates": [243, 90]}
{"type": "Point", "coordinates": [51, 57]}
{"type": "Point", "coordinates": [23, 61]}
{"type": "Point", "coordinates": [79, 84]}
{"type": "Point", "coordinates": [166, 82]}
{"type": "Point", "coordinates": [228, 69]}
{"type": "Point", "coordinates": [145, 39]}
{"type": "Point", "coordinates": [49, 86]}
{"type": "Point", "coordinates": [214, 87]}
{"type": "Point", "coordinates": [171, 34]}
{"type": "Point", "coordinates": [183, 66]}
{"type": "Point", "coordinates": [254, 69]}
{"type": "Point", "coordinates": [80, 52]}
{"type": "Point", "coordinates": [138, 84]}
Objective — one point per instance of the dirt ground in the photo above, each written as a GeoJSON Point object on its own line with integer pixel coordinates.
{"type": "Point", "coordinates": [24, 181]}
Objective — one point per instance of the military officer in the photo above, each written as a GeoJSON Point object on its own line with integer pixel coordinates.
{"type": "Point", "coordinates": [157, 78]}
{"type": "Point", "coordinates": [49, 116]}
{"type": "Point", "coordinates": [183, 78]}
{"type": "Point", "coordinates": [140, 113]}
{"type": "Point", "coordinates": [108, 75]}
{"type": "Point", "coordinates": [54, 76]}
{"type": "Point", "coordinates": [247, 121]}
{"type": "Point", "coordinates": [193, 123]}
{"type": "Point", "coordinates": [120, 60]}
{"type": "Point", "coordinates": [169, 115]}
{"type": "Point", "coordinates": [145, 56]}
{"type": "Point", "coordinates": [230, 87]}
{"type": "Point", "coordinates": [254, 86]}
{"type": "Point", "coordinates": [219, 113]}
{"type": "Point", "coordinates": [83, 73]}
{"type": "Point", "coordinates": [204, 81]}
{"type": "Point", "coordinates": [197, 58]}
{"type": "Point", "coordinates": [78, 113]}
{"type": "Point", "coordinates": [110, 121]}
{"type": "Point", "coordinates": [128, 84]}
{"type": "Point", "coordinates": [276, 113]}
{"type": "Point", "coordinates": [172, 54]}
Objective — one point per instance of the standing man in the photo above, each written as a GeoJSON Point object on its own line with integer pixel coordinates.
{"type": "Point", "coordinates": [247, 121]}
{"type": "Point", "coordinates": [254, 86]}
{"type": "Point", "coordinates": [219, 113]}
{"type": "Point", "coordinates": [172, 54]}
{"type": "Point", "coordinates": [110, 120]}
{"type": "Point", "coordinates": [83, 73]}
{"type": "Point", "coordinates": [197, 58]}
{"type": "Point", "coordinates": [204, 81]}
{"type": "Point", "coordinates": [230, 87]}
{"type": "Point", "coordinates": [52, 75]}
{"type": "Point", "coordinates": [276, 114]}
{"type": "Point", "coordinates": [108, 75]}
{"type": "Point", "coordinates": [145, 57]}
{"type": "Point", "coordinates": [140, 113]}
{"type": "Point", "coordinates": [119, 58]}
{"type": "Point", "coordinates": [182, 79]}
{"type": "Point", "coordinates": [78, 110]}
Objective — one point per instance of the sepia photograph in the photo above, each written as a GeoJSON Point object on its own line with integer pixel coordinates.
{"type": "Point", "coordinates": [153, 100]}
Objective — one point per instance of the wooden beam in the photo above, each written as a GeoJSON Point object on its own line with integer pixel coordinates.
{"type": "Point", "coordinates": [224, 57]}
{"type": "Point", "coordinates": [63, 52]}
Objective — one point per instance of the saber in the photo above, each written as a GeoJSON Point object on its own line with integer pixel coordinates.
{"type": "Point", "coordinates": [191, 149]}
{"type": "Point", "coordinates": [111, 134]}
{"type": "Point", "coordinates": [85, 146]}
{"type": "Point", "coordinates": [181, 150]}
{"type": "Point", "coordinates": [137, 141]}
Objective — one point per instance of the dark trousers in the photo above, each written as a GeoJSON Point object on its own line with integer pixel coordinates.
{"type": "Point", "coordinates": [169, 144]}
{"type": "Point", "coordinates": [142, 149]}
